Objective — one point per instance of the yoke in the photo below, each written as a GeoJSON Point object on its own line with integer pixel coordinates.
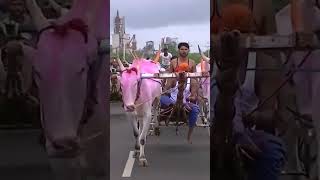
{"type": "Point", "coordinates": [174, 75]}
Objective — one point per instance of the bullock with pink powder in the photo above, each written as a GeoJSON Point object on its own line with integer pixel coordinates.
{"type": "Point", "coordinates": [138, 97]}
{"type": "Point", "coordinates": [204, 90]}
{"type": "Point", "coordinates": [72, 87]}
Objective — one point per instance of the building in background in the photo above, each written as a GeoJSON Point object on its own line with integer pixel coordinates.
{"type": "Point", "coordinates": [169, 42]}
{"type": "Point", "coordinates": [149, 49]}
{"type": "Point", "coordinates": [120, 39]}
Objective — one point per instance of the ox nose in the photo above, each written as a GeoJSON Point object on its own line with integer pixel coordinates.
{"type": "Point", "coordinates": [131, 107]}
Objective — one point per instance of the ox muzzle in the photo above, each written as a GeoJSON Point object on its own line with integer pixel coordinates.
{"type": "Point", "coordinates": [130, 108]}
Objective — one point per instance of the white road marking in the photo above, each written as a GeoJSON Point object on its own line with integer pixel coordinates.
{"type": "Point", "coordinates": [129, 165]}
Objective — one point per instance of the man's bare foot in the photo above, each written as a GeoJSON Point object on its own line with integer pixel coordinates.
{"type": "Point", "coordinates": [189, 135]}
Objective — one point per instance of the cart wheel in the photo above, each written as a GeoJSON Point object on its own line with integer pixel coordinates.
{"type": "Point", "coordinates": [157, 131]}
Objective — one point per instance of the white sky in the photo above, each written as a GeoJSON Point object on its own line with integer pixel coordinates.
{"type": "Point", "coordinates": [188, 20]}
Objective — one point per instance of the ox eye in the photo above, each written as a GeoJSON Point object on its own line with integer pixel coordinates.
{"type": "Point", "coordinates": [82, 70]}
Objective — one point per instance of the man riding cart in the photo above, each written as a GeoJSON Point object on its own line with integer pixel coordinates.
{"type": "Point", "coordinates": [179, 65]}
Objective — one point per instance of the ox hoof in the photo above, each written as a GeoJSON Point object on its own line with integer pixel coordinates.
{"type": "Point", "coordinates": [204, 120]}
{"type": "Point", "coordinates": [157, 131]}
{"type": "Point", "coordinates": [137, 147]}
{"type": "Point", "coordinates": [143, 162]}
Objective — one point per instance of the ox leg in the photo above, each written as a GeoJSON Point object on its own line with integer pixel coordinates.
{"type": "Point", "coordinates": [146, 120]}
{"type": "Point", "coordinates": [66, 166]}
{"type": "Point", "coordinates": [315, 107]}
{"type": "Point", "coordinates": [134, 122]}
{"type": "Point", "coordinates": [303, 83]}
{"type": "Point", "coordinates": [3, 75]}
{"type": "Point", "coordinates": [156, 109]}
{"type": "Point", "coordinates": [193, 116]}
{"type": "Point", "coordinates": [307, 100]}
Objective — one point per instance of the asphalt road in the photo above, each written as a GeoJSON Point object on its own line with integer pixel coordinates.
{"type": "Point", "coordinates": [169, 156]}
{"type": "Point", "coordinates": [21, 157]}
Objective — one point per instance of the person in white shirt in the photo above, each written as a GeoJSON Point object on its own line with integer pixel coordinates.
{"type": "Point", "coordinates": [165, 58]}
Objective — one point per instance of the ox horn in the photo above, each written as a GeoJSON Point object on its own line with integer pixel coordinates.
{"type": "Point", "coordinates": [57, 7]}
{"type": "Point", "coordinates": [201, 60]}
{"type": "Point", "coordinates": [296, 16]}
{"type": "Point", "coordinates": [156, 59]}
{"type": "Point", "coordinates": [122, 68]}
{"type": "Point", "coordinates": [204, 57]}
{"type": "Point", "coordinates": [133, 55]}
{"type": "Point", "coordinates": [134, 52]}
{"type": "Point", "coordinates": [36, 14]}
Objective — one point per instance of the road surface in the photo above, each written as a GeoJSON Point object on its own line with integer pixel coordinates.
{"type": "Point", "coordinates": [22, 157]}
{"type": "Point", "coordinates": [169, 156]}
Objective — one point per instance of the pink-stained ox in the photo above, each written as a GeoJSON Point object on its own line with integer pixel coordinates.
{"type": "Point", "coordinates": [204, 91]}
{"type": "Point", "coordinates": [307, 84]}
{"type": "Point", "coordinates": [205, 82]}
{"type": "Point", "coordinates": [138, 97]}
{"type": "Point", "coordinates": [65, 65]}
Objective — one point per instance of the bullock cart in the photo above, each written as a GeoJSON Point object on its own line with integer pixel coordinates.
{"type": "Point", "coordinates": [176, 114]}
{"type": "Point", "coordinates": [306, 139]}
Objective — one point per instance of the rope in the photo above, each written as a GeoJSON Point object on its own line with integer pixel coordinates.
{"type": "Point", "coordinates": [136, 105]}
{"type": "Point", "coordinates": [290, 75]}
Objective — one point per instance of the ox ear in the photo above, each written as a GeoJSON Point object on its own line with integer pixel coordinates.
{"type": "Point", "coordinates": [157, 58]}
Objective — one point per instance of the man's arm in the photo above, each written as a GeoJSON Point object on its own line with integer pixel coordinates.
{"type": "Point", "coordinates": [194, 86]}
{"type": "Point", "coordinates": [193, 66]}
{"type": "Point", "coordinates": [170, 82]}
{"type": "Point", "coordinates": [171, 67]}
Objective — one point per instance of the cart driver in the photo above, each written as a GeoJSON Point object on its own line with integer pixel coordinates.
{"type": "Point", "coordinates": [183, 64]}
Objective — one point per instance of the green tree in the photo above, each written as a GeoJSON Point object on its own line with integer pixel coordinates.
{"type": "Point", "coordinates": [128, 57]}
{"type": "Point", "coordinates": [195, 56]}
{"type": "Point", "coordinates": [172, 48]}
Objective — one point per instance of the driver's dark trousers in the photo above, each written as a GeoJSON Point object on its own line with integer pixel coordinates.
{"type": "Point", "coordinates": [193, 114]}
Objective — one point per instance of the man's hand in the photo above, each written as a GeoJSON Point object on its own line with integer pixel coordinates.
{"type": "Point", "coordinates": [167, 94]}
{"type": "Point", "coordinates": [192, 99]}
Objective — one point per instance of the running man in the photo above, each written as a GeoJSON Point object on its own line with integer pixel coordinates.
{"type": "Point", "coordinates": [165, 58]}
